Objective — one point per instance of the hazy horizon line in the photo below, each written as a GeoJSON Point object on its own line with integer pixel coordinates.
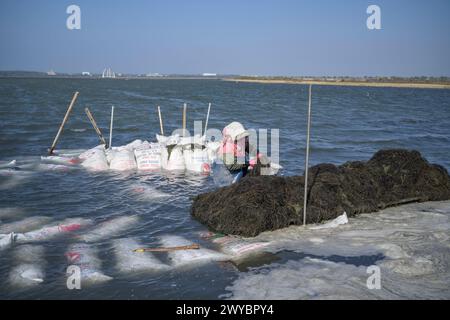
{"type": "Point", "coordinates": [226, 74]}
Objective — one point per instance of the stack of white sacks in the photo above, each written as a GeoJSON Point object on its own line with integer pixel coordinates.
{"type": "Point", "coordinates": [172, 153]}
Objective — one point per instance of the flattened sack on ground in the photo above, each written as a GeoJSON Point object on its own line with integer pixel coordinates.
{"type": "Point", "coordinates": [24, 225]}
{"type": "Point", "coordinates": [47, 233]}
{"type": "Point", "coordinates": [185, 258]}
{"type": "Point", "coordinates": [110, 228]}
{"type": "Point", "coordinates": [129, 261]}
{"type": "Point", "coordinates": [29, 268]}
{"type": "Point", "coordinates": [236, 247]}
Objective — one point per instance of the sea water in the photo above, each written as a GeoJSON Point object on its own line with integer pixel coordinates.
{"type": "Point", "coordinates": [348, 123]}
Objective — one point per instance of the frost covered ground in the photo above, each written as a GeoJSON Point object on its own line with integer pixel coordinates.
{"type": "Point", "coordinates": [412, 241]}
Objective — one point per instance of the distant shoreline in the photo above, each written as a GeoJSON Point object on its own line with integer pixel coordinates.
{"type": "Point", "coordinates": [346, 83]}
{"type": "Point", "coordinates": [381, 83]}
{"type": "Point", "coordinates": [76, 77]}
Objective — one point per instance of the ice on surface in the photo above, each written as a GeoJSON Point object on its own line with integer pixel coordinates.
{"type": "Point", "coordinates": [110, 228]}
{"type": "Point", "coordinates": [305, 279]}
{"type": "Point", "coordinates": [131, 262]}
{"type": "Point", "coordinates": [342, 219]}
{"type": "Point", "coordinates": [190, 257]}
{"type": "Point", "coordinates": [412, 238]}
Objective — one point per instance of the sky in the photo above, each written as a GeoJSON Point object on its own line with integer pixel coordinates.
{"type": "Point", "coordinates": [247, 37]}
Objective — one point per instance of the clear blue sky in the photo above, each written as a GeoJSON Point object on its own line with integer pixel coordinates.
{"type": "Point", "coordinates": [264, 37]}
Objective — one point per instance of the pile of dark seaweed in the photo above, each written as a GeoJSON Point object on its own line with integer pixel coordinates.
{"type": "Point", "coordinates": [262, 203]}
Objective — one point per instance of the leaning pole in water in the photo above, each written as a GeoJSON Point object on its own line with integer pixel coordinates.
{"type": "Point", "coordinates": [207, 119]}
{"type": "Point", "coordinates": [61, 127]}
{"type": "Point", "coordinates": [96, 128]}
{"type": "Point", "coordinates": [305, 200]}
{"type": "Point", "coordinates": [111, 127]}
{"type": "Point", "coordinates": [184, 118]}
{"type": "Point", "coordinates": [160, 121]}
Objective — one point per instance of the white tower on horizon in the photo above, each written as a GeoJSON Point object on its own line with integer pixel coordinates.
{"type": "Point", "coordinates": [108, 73]}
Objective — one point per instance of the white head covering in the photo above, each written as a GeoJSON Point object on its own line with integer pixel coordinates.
{"type": "Point", "coordinates": [235, 130]}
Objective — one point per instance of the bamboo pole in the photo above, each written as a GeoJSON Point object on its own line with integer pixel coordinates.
{"type": "Point", "coordinates": [168, 249]}
{"type": "Point", "coordinates": [69, 109]}
{"type": "Point", "coordinates": [96, 128]}
{"type": "Point", "coordinates": [207, 118]}
{"type": "Point", "coordinates": [184, 118]}
{"type": "Point", "coordinates": [160, 121]}
{"type": "Point", "coordinates": [111, 127]}
{"type": "Point", "coordinates": [307, 158]}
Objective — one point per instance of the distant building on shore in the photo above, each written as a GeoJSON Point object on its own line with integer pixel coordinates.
{"type": "Point", "coordinates": [86, 73]}
{"type": "Point", "coordinates": [51, 73]}
{"type": "Point", "coordinates": [153, 74]}
{"type": "Point", "coordinates": [206, 74]}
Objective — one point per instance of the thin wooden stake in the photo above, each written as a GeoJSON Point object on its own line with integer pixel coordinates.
{"type": "Point", "coordinates": [168, 249]}
{"type": "Point", "coordinates": [96, 128]}
{"type": "Point", "coordinates": [160, 121]}
{"type": "Point", "coordinates": [69, 109]}
{"type": "Point", "coordinates": [207, 118]}
{"type": "Point", "coordinates": [111, 127]}
{"type": "Point", "coordinates": [307, 158]}
{"type": "Point", "coordinates": [184, 118]}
